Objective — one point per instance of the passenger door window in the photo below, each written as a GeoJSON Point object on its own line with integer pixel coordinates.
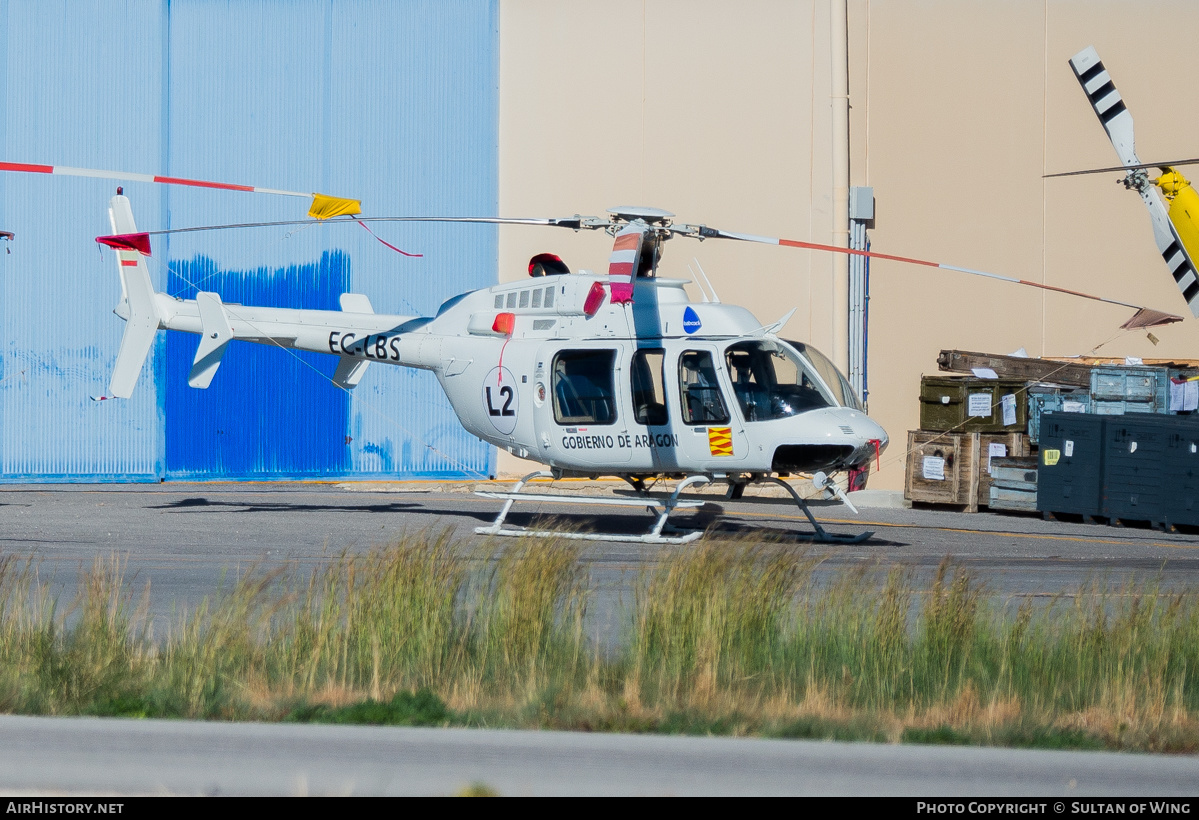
{"type": "Point", "coordinates": [649, 392]}
{"type": "Point", "coordinates": [583, 387]}
{"type": "Point", "coordinates": [699, 389]}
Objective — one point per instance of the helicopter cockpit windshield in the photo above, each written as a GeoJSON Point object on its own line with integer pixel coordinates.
{"type": "Point", "coordinates": [771, 382]}
{"type": "Point", "coordinates": [843, 393]}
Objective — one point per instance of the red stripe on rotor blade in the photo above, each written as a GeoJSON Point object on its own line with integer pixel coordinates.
{"type": "Point", "coordinates": [795, 243]}
{"type": "Point", "coordinates": [620, 269]}
{"type": "Point", "coordinates": [627, 242]}
{"type": "Point", "coordinates": [128, 263]}
{"type": "Point", "coordinates": [24, 166]}
{"type": "Point", "coordinates": [199, 183]}
{"type": "Point", "coordinates": [1064, 290]}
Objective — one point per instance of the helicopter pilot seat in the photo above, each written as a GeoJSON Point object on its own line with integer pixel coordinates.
{"type": "Point", "coordinates": [752, 394]}
{"type": "Point", "coordinates": [702, 402]}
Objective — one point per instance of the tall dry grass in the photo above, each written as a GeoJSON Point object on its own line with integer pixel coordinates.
{"type": "Point", "coordinates": [719, 637]}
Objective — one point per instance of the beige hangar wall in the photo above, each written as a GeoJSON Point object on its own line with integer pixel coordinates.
{"type": "Point", "coordinates": [721, 113]}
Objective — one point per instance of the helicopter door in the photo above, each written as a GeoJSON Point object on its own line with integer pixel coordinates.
{"type": "Point", "coordinates": [581, 419]}
{"type": "Point", "coordinates": [655, 439]}
{"type": "Point", "coordinates": [713, 438]}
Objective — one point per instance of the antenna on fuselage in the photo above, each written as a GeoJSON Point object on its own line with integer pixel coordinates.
{"type": "Point", "coordinates": [707, 282]}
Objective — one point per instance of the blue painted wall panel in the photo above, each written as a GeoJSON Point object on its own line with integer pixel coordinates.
{"type": "Point", "coordinates": [392, 103]}
{"type": "Point", "coordinates": [274, 413]}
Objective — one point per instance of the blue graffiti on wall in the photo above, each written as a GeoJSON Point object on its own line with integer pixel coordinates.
{"type": "Point", "coordinates": [269, 412]}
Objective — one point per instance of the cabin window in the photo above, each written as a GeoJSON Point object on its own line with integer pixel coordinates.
{"type": "Point", "coordinates": [771, 382]}
{"type": "Point", "coordinates": [549, 297]}
{"type": "Point", "coordinates": [649, 392]}
{"type": "Point", "coordinates": [524, 298]}
{"type": "Point", "coordinates": [699, 390]}
{"type": "Point", "coordinates": [499, 300]}
{"type": "Point", "coordinates": [537, 298]}
{"type": "Point", "coordinates": [512, 300]}
{"type": "Point", "coordinates": [583, 387]}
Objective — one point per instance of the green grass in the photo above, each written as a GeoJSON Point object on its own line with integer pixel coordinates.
{"type": "Point", "coordinates": [732, 638]}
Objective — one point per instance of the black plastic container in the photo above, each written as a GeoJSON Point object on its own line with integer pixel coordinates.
{"type": "Point", "coordinates": [1070, 466]}
{"type": "Point", "coordinates": [1135, 467]}
{"type": "Point", "coordinates": [1180, 489]}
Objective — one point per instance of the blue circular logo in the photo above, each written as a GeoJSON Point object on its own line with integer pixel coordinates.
{"type": "Point", "coordinates": [691, 321]}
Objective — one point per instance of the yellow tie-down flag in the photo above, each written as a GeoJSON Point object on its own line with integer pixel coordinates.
{"type": "Point", "coordinates": [324, 207]}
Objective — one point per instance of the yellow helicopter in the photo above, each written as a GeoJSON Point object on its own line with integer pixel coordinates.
{"type": "Point", "coordinates": [1173, 204]}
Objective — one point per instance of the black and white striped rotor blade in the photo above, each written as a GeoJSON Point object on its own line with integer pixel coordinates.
{"type": "Point", "coordinates": [1169, 244]}
{"type": "Point", "coordinates": [1106, 101]}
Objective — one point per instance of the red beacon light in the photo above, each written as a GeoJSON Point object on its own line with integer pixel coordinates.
{"type": "Point", "coordinates": [504, 323]}
{"type": "Point", "coordinates": [595, 298]}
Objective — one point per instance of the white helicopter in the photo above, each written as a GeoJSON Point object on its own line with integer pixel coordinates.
{"type": "Point", "coordinates": [617, 374]}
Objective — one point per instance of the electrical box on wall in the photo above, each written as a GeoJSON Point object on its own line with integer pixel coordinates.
{"type": "Point", "coordinates": [861, 203]}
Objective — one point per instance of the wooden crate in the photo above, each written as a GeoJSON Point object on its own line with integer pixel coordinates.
{"type": "Point", "coordinates": [1003, 498]}
{"type": "Point", "coordinates": [966, 404]}
{"type": "Point", "coordinates": [942, 468]}
{"type": "Point", "coordinates": [1015, 445]}
{"type": "Point", "coordinates": [952, 468]}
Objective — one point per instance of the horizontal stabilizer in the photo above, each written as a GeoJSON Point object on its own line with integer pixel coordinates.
{"type": "Point", "coordinates": [214, 338]}
{"type": "Point", "coordinates": [356, 303]}
{"type": "Point", "coordinates": [349, 372]}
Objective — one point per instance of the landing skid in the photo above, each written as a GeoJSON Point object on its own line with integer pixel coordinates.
{"type": "Point", "coordinates": [819, 534]}
{"type": "Point", "coordinates": [661, 507]}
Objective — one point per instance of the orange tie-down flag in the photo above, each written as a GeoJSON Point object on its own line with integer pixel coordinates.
{"type": "Point", "coordinates": [720, 441]}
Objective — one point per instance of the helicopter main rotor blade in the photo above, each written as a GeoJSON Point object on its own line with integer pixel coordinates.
{"type": "Point", "coordinates": [1171, 164]}
{"type": "Point", "coordinates": [322, 207]}
{"type": "Point", "coordinates": [141, 240]}
{"type": "Point", "coordinates": [574, 222]}
{"type": "Point", "coordinates": [704, 232]}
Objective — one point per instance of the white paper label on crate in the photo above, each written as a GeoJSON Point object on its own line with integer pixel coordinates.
{"type": "Point", "coordinates": [1194, 448]}
{"type": "Point", "coordinates": [1133, 361]}
{"type": "Point", "coordinates": [934, 468]}
{"type": "Point", "coordinates": [1177, 395]}
{"type": "Point", "coordinates": [979, 404]}
{"type": "Point", "coordinates": [984, 373]}
{"type": "Point", "coordinates": [1074, 407]}
{"type": "Point", "coordinates": [1132, 446]}
{"type": "Point", "coordinates": [945, 400]}
{"type": "Point", "coordinates": [995, 451]}
{"type": "Point", "coordinates": [1050, 457]}
{"type": "Point", "coordinates": [1191, 399]}
{"type": "Point", "coordinates": [1069, 448]}
{"type": "Point", "coordinates": [1009, 409]}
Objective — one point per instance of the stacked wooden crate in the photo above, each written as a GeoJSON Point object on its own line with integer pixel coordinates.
{"type": "Point", "coordinates": [965, 423]}
{"type": "Point", "coordinates": [978, 434]}
{"type": "Point", "coordinates": [1014, 484]}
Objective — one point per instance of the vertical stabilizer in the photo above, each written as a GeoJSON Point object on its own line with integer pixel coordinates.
{"type": "Point", "coordinates": [138, 297]}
